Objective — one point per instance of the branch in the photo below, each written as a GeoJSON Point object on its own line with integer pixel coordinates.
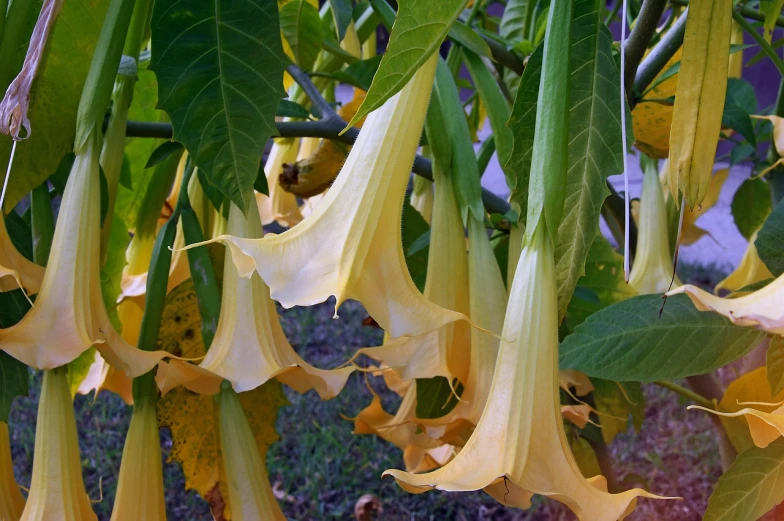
{"type": "Point", "coordinates": [653, 64]}
{"type": "Point", "coordinates": [321, 107]}
{"type": "Point", "coordinates": [637, 43]}
{"type": "Point", "coordinates": [764, 45]}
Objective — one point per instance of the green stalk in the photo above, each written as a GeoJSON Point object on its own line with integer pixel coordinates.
{"type": "Point", "coordinates": [687, 393]}
{"type": "Point", "coordinates": [42, 223]}
{"type": "Point", "coordinates": [764, 45]}
{"type": "Point", "coordinates": [97, 89]}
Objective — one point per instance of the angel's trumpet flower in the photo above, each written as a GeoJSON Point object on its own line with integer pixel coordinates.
{"type": "Point", "coordinates": [140, 485]}
{"type": "Point", "coordinates": [422, 198]}
{"type": "Point", "coordinates": [444, 351]}
{"type": "Point", "coordinates": [15, 270]}
{"type": "Point", "coordinates": [750, 270]}
{"type": "Point", "coordinates": [280, 206]}
{"type": "Point", "coordinates": [350, 247]}
{"type": "Point", "coordinates": [69, 314]}
{"type": "Point", "coordinates": [519, 447]}
{"type": "Point", "coordinates": [11, 501]}
{"type": "Point", "coordinates": [249, 346]}
{"type": "Point", "coordinates": [652, 271]}
{"type": "Point", "coordinates": [765, 427]}
{"type": "Point", "coordinates": [57, 490]}
{"type": "Point", "coordinates": [762, 309]}
{"type": "Point", "coordinates": [250, 493]}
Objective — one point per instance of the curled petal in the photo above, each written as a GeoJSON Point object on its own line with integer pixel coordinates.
{"type": "Point", "coordinates": [765, 427]}
{"type": "Point", "coordinates": [15, 270]}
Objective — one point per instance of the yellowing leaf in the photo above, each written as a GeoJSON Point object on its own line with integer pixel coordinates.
{"type": "Point", "coordinates": [651, 120]}
{"type": "Point", "coordinates": [699, 98]}
{"type": "Point", "coordinates": [193, 418]}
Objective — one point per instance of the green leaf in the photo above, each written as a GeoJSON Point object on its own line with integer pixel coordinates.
{"type": "Point", "coordinates": [414, 226]}
{"type": "Point", "coordinates": [301, 26]}
{"type": "Point", "coordinates": [493, 99]}
{"type": "Point", "coordinates": [774, 360]}
{"type": "Point", "coordinates": [751, 205]}
{"type": "Point", "coordinates": [291, 109]}
{"type": "Point", "coordinates": [751, 487]}
{"type": "Point", "coordinates": [358, 74]}
{"type": "Point", "coordinates": [736, 118]}
{"type": "Point", "coordinates": [522, 122]}
{"type": "Point", "coordinates": [516, 19]}
{"type": "Point", "coordinates": [595, 144]}
{"type": "Point", "coordinates": [435, 398]}
{"type": "Point", "coordinates": [469, 39]}
{"type": "Point", "coordinates": [155, 194]}
{"type": "Point", "coordinates": [419, 29]}
{"type": "Point", "coordinates": [166, 149]}
{"type": "Point", "coordinates": [629, 341]}
{"type": "Point", "coordinates": [260, 185]}
{"type": "Point", "coordinates": [341, 13]}
{"type": "Point", "coordinates": [602, 285]}
{"type": "Point", "coordinates": [770, 239]}
{"type": "Point", "coordinates": [616, 403]}
{"type": "Point", "coordinates": [54, 99]}
{"type": "Point", "coordinates": [13, 306]}
{"type": "Point", "coordinates": [220, 78]}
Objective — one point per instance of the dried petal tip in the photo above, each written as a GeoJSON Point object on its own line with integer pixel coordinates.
{"type": "Point", "coordinates": [250, 493]}
{"type": "Point", "coordinates": [13, 109]}
{"type": "Point", "coordinates": [57, 490]}
{"type": "Point", "coordinates": [519, 447]}
{"type": "Point", "coordinates": [140, 486]}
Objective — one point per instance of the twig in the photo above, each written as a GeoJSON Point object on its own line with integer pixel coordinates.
{"type": "Point", "coordinates": [652, 65]}
{"type": "Point", "coordinates": [644, 29]}
{"type": "Point", "coordinates": [321, 108]}
{"type": "Point", "coordinates": [687, 393]}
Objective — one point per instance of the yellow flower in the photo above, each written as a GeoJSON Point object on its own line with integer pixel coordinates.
{"type": "Point", "coordinates": [750, 270]}
{"type": "Point", "coordinates": [140, 485]}
{"type": "Point", "coordinates": [249, 346]}
{"type": "Point", "coordinates": [350, 246]}
{"type": "Point", "coordinates": [652, 271]}
{"type": "Point", "coordinates": [762, 309]}
{"type": "Point", "coordinates": [57, 489]}
{"type": "Point", "coordinates": [15, 270]}
{"type": "Point", "coordinates": [519, 447]}
{"type": "Point", "coordinates": [11, 501]}
{"type": "Point", "coordinates": [765, 427]}
{"type": "Point", "coordinates": [446, 350]}
{"type": "Point", "coordinates": [250, 493]}
{"type": "Point", "coordinates": [69, 314]}
{"type": "Point", "coordinates": [280, 206]}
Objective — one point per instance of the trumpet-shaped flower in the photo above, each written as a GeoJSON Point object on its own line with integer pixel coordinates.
{"type": "Point", "coordinates": [250, 493]}
{"type": "Point", "coordinates": [765, 427]}
{"type": "Point", "coordinates": [444, 351]}
{"type": "Point", "coordinates": [15, 270]}
{"type": "Point", "coordinates": [762, 309]}
{"type": "Point", "coordinates": [350, 247]}
{"type": "Point", "coordinates": [750, 270]}
{"type": "Point", "coordinates": [652, 271]}
{"type": "Point", "coordinates": [422, 198]}
{"type": "Point", "coordinates": [280, 206]}
{"type": "Point", "coordinates": [69, 314]}
{"type": "Point", "coordinates": [249, 346]}
{"type": "Point", "coordinates": [11, 501]}
{"type": "Point", "coordinates": [57, 490]}
{"type": "Point", "coordinates": [140, 485]}
{"type": "Point", "coordinates": [519, 447]}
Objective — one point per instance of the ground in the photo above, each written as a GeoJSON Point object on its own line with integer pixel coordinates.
{"type": "Point", "coordinates": [321, 469]}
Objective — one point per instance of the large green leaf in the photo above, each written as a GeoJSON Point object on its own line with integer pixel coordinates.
{"type": "Point", "coordinates": [602, 285]}
{"type": "Point", "coordinates": [220, 77]}
{"type": "Point", "coordinates": [629, 341]}
{"type": "Point", "coordinates": [341, 14]}
{"type": "Point", "coordinates": [414, 227]}
{"type": "Point", "coordinates": [54, 99]}
{"type": "Point", "coordinates": [301, 25]}
{"type": "Point", "coordinates": [751, 206]}
{"type": "Point", "coordinates": [751, 487]}
{"type": "Point", "coordinates": [617, 402]}
{"type": "Point", "coordinates": [770, 241]}
{"type": "Point", "coordinates": [515, 20]}
{"type": "Point", "coordinates": [420, 27]}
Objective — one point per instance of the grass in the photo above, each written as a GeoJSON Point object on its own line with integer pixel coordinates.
{"type": "Point", "coordinates": [320, 468]}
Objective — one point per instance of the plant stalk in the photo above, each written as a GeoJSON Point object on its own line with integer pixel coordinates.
{"type": "Point", "coordinates": [764, 45]}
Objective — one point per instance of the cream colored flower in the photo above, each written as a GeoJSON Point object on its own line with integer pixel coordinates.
{"type": "Point", "coordinates": [15, 270]}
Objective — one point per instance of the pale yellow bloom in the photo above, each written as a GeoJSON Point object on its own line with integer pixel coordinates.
{"type": "Point", "coordinates": [350, 246]}
{"type": "Point", "coordinates": [653, 268]}
{"type": "Point", "coordinates": [280, 206]}
{"type": "Point", "coordinates": [15, 270]}
{"type": "Point", "coordinates": [250, 493]}
{"type": "Point", "coordinates": [519, 447]}
{"type": "Point", "coordinates": [11, 501]}
{"type": "Point", "coordinates": [422, 198]}
{"type": "Point", "coordinates": [250, 346]}
{"type": "Point", "coordinates": [57, 490]}
{"type": "Point", "coordinates": [69, 314]}
{"type": "Point", "coordinates": [765, 427]}
{"type": "Point", "coordinates": [750, 270]}
{"type": "Point", "coordinates": [140, 485]}
{"type": "Point", "coordinates": [763, 309]}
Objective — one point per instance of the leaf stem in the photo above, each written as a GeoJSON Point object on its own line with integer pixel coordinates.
{"type": "Point", "coordinates": [764, 45]}
{"type": "Point", "coordinates": [686, 393]}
